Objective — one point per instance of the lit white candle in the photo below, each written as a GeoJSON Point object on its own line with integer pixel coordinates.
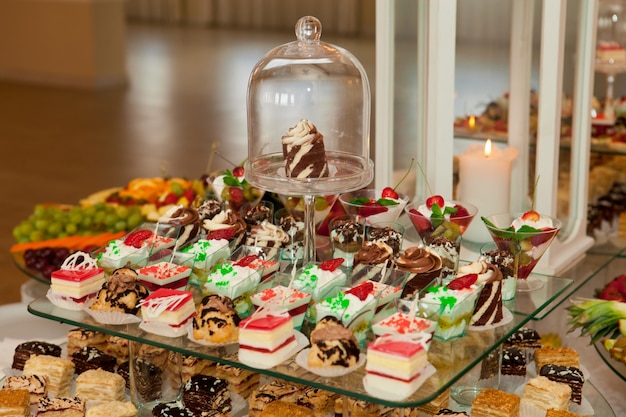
{"type": "Point", "coordinates": [485, 181]}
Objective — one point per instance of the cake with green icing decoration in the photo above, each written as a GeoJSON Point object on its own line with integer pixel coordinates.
{"type": "Point", "coordinates": [451, 306]}
{"type": "Point", "coordinates": [231, 280]}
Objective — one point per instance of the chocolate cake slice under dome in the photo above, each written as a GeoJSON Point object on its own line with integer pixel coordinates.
{"type": "Point", "coordinates": [308, 122]}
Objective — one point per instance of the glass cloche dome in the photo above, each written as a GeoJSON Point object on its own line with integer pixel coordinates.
{"type": "Point", "coordinates": [308, 118]}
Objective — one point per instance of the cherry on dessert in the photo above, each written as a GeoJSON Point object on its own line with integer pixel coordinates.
{"type": "Point", "coordinates": [238, 171]}
{"type": "Point", "coordinates": [389, 192]}
{"type": "Point", "coordinates": [531, 216]}
{"type": "Point", "coordinates": [435, 199]}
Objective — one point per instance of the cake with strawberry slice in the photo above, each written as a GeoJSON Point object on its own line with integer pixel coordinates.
{"type": "Point", "coordinates": [283, 298]}
{"type": "Point", "coordinates": [266, 338]}
{"type": "Point", "coordinates": [133, 249]}
{"type": "Point", "coordinates": [320, 279]}
{"type": "Point", "coordinates": [265, 267]}
{"type": "Point", "coordinates": [394, 365]}
{"type": "Point", "coordinates": [354, 307]}
{"type": "Point", "coordinates": [451, 305]}
{"type": "Point", "coordinates": [488, 310]}
{"type": "Point", "coordinates": [78, 280]}
{"type": "Point", "coordinates": [164, 275]}
{"type": "Point", "coordinates": [167, 312]}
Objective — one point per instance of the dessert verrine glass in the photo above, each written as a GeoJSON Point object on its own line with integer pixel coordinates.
{"type": "Point", "coordinates": [308, 122]}
{"type": "Point", "coordinates": [436, 226]}
{"type": "Point", "coordinates": [526, 243]}
{"type": "Point", "coordinates": [372, 206]}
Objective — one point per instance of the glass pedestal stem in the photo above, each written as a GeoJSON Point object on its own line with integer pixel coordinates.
{"type": "Point", "coordinates": [309, 229]}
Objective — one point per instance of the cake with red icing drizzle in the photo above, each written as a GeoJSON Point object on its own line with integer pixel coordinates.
{"type": "Point", "coordinates": [401, 323]}
{"type": "Point", "coordinates": [394, 365]}
{"type": "Point", "coordinates": [266, 338]}
{"type": "Point", "coordinates": [167, 312]}
{"type": "Point", "coordinates": [78, 280]}
{"type": "Point", "coordinates": [164, 275]}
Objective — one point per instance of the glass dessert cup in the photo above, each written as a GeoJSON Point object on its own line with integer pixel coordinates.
{"type": "Point", "coordinates": [450, 227]}
{"type": "Point", "coordinates": [235, 196]}
{"type": "Point", "coordinates": [527, 246]}
{"type": "Point", "coordinates": [372, 211]}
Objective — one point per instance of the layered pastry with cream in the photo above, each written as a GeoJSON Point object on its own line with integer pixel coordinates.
{"type": "Point", "coordinates": [394, 365]}
{"type": "Point", "coordinates": [304, 152]}
{"type": "Point", "coordinates": [267, 235]}
{"type": "Point", "coordinates": [505, 262]}
{"type": "Point", "coordinates": [76, 282]}
{"type": "Point", "coordinates": [266, 338]}
{"type": "Point", "coordinates": [346, 237]}
{"type": "Point", "coordinates": [226, 224]}
{"type": "Point", "coordinates": [332, 345]}
{"type": "Point", "coordinates": [167, 312]}
{"type": "Point", "coordinates": [61, 406]}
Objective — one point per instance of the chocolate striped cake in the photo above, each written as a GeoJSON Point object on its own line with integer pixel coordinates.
{"type": "Point", "coordinates": [569, 375]}
{"type": "Point", "coordinates": [304, 152]}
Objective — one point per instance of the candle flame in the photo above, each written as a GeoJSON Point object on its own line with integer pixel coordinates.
{"type": "Point", "coordinates": [471, 122]}
{"type": "Point", "coordinates": [488, 148]}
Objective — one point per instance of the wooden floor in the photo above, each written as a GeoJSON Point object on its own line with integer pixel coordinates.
{"type": "Point", "coordinates": [187, 89]}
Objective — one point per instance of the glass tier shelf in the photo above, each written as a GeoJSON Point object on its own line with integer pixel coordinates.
{"type": "Point", "coordinates": [619, 368]}
{"type": "Point", "coordinates": [449, 358]}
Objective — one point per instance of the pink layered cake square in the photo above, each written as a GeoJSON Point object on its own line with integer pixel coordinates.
{"type": "Point", "coordinates": [164, 275]}
{"type": "Point", "coordinates": [78, 280]}
{"type": "Point", "coordinates": [394, 365]}
{"type": "Point", "coordinates": [280, 297]}
{"type": "Point", "coordinates": [266, 339]}
{"type": "Point", "coordinates": [167, 312]}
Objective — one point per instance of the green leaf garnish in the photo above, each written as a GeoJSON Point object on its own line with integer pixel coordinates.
{"type": "Point", "coordinates": [509, 232]}
{"type": "Point", "coordinates": [359, 201]}
{"type": "Point", "coordinates": [386, 202]}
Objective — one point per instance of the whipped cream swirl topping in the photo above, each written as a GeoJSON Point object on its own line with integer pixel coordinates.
{"type": "Point", "coordinates": [265, 233]}
{"type": "Point", "coordinates": [543, 223]}
{"type": "Point", "coordinates": [418, 260]}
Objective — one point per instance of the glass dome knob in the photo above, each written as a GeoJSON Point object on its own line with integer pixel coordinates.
{"type": "Point", "coordinates": [308, 29]}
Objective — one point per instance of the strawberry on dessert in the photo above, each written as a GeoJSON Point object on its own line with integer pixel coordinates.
{"type": "Point", "coordinates": [375, 206]}
{"type": "Point", "coordinates": [395, 365]}
{"type": "Point", "coordinates": [265, 267]}
{"type": "Point", "coordinates": [167, 312]}
{"type": "Point", "coordinates": [321, 279]}
{"type": "Point", "coordinates": [438, 217]}
{"type": "Point", "coordinates": [164, 275]}
{"type": "Point", "coordinates": [451, 306]}
{"type": "Point", "coordinates": [284, 298]}
{"type": "Point", "coordinates": [78, 280]}
{"type": "Point", "coordinates": [266, 339]}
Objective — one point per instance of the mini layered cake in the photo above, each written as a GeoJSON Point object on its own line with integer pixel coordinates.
{"type": "Point", "coordinates": [505, 262]}
{"type": "Point", "coordinates": [99, 385]}
{"type": "Point", "coordinates": [25, 350]}
{"type": "Point", "coordinates": [544, 394]}
{"type": "Point", "coordinates": [35, 384]}
{"type": "Point", "coordinates": [304, 152]}
{"type": "Point", "coordinates": [276, 390]}
{"type": "Point", "coordinates": [280, 297]}
{"type": "Point", "coordinates": [569, 375]}
{"type": "Point", "coordinates": [488, 310]}
{"type": "Point", "coordinates": [133, 249]}
{"type": "Point", "coordinates": [563, 356]}
{"type": "Point", "coordinates": [451, 306]}
{"type": "Point", "coordinates": [400, 323]}
{"type": "Point", "coordinates": [347, 238]}
{"type": "Point", "coordinates": [76, 282]}
{"type": "Point", "coordinates": [451, 413]}
{"type": "Point", "coordinates": [216, 320]}
{"type": "Point", "coordinates": [266, 338]}
{"type": "Point", "coordinates": [204, 392]}
{"type": "Point", "coordinates": [386, 234]}
{"type": "Point", "coordinates": [78, 338]}
{"type": "Point", "coordinates": [58, 371]}
{"type": "Point", "coordinates": [14, 402]}
{"type": "Point", "coordinates": [171, 409]}
{"type": "Point", "coordinates": [167, 312]}
{"type": "Point", "coordinates": [513, 362]}
{"type": "Point", "coordinates": [113, 408]}
{"type": "Point", "coordinates": [164, 275]}
{"type": "Point", "coordinates": [319, 280]}
{"type": "Point", "coordinates": [494, 402]}
{"type": "Point", "coordinates": [240, 381]}
{"type": "Point", "coordinates": [394, 365]}
{"type": "Point", "coordinates": [61, 406]}
{"type": "Point", "coordinates": [332, 345]}
{"type": "Point", "coordinates": [90, 357]}
{"type": "Point", "coordinates": [448, 251]}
